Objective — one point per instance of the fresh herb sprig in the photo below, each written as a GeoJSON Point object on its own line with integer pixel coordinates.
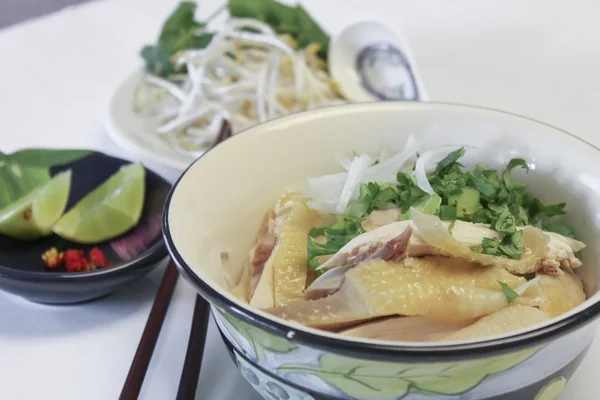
{"type": "Point", "coordinates": [510, 294]}
{"type": "Point", "coordinates": [181, 31]}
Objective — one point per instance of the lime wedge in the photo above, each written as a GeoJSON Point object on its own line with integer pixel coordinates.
{"type": "Point", "coordinates": [34, 214]}
{"type": "Point", "coordinates": [108, 211]}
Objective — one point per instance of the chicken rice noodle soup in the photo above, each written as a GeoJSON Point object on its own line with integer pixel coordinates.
{"type": "Point", "coordinates": [415, 247]}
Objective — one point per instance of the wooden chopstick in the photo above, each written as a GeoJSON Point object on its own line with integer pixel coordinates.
{"type": "Point", "coordinates": [193, 356]}
{"type": "Point", "coordinates": [141, 360]}
{"type": "Point", "coordinates": [193, 359]}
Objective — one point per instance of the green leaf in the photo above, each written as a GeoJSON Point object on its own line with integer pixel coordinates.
{"type": "Point", "coordinates": [551, 210]}
{"type": "Point", "coordinates": [383, 380]}
{"type": "Point", "coordinates": [317, 231]}
{"type": "Point", "coordinates": [158, 60]}
{"type": "Point", "coordinates": [506, 223]}
{"type": "Point", "coordinates": [46, 157]}
{"type": "Point", "coordinates": [336, 236]}
{"type": "Point", "coordinates": [179, 23]}
{"type": "Point", "coordinates": [387, 195]}
{"type": "Point", "coordinates": [410, 193]}
{"type": "Point", "coordinates": [294, 21]}
{"type": "Point", "coordinates": [260, 341]}
{"type": "Point", "coordinates": [310, 32]}
{"type": "Point", "coordinates": [510, 246]}
{"type": "Point", "coordinates": [510, 294]}
{"type": "Point", "coordinates": [515, 162]}
{"type": "Point", "coordinates": [449, 160]}
{"type": "Point", "coordinates": [179, 32]}
{"type": "Point", "coordinates": [483, 182]}
{"type": "Point", "coordinates": [364, 204]}
{"type": "Point", "coordinates": [483, 216]}
{"type": "Point", "coordinates": [561, 229]}
{"type": "Point", "coordinates": [448, 213]}
{"type": "Point", "coordinates": [521, 217]}
{"type": "Point", "coordinates": [256, 9]}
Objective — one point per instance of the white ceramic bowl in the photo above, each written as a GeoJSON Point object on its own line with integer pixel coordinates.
{"type": "Point", "coordinates": [218, 204]}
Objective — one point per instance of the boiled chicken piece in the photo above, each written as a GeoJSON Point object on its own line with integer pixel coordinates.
{"type": "Point", "coordinates": [457, 270]}
{"type": "Point", "coordinates": [542, 251]}
{"type": "Point", "coordinates": [380, 288]}
{"type": "Point", "coordinates": [283, 278]}
{"type": "Point", "coordinates": [507, 320]}
{"type": "Point", "coordinates": [467, 233]}
{"type": "Point", "coordinates": [331, 281]}
{"type": "Point", "coordinates": [463, 272]}
{"type": "Point", "coordinates": [408, 329]}
{"type": "Point", "coordinates": [561, 253]}
{"type": "Point", "coordinates": [430, 236]}
{"type": "Point", "coordinates": [279, 276]}
{"type": "Point", "coordinates": [260, 254]}
{"type": "Point", "coordinates": [559, 294]}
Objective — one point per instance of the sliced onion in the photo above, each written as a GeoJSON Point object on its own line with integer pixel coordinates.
{"type": "Point", "coordinates": [343, 160]}
{"type": "Point", "coordinates": [523, 288]}
{"type": "Point", "coordinates": [355, 174]}
{"type": "Point", "coordinates": [386, 172]}
{"type": "Point", "coordinates": [423, 163]}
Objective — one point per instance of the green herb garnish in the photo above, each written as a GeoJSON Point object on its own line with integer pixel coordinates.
{"type": "Point", "coordinates": [510, 294]}
{"type": "Point", "coordinates": [181, 31]}
{"type": "Point", "coordinates": [291, 20]}
{"type": "Point", "coordinates": [335, 237]}
{"type": "Point", "coordinates": [482, 195]}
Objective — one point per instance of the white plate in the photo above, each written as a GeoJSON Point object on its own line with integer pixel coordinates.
{"type": "Point", "coordinates": [127, 129]}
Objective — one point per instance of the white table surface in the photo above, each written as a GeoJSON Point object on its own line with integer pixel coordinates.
{"type": "Point", "coordinates": [538, 58]}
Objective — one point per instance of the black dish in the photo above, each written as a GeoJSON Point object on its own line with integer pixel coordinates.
{"type": "Point", "coordinates": [132, 255]}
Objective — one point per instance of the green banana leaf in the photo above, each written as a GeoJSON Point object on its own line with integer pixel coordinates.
{"type": "Point", "coordinates": [25, 170]}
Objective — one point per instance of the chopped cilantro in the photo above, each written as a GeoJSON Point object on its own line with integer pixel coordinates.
{"type": "Point", "coordinates": [336, 236]}
{"type": "Point", "coordinates": [481, 195]}
{"type": "Point", "coordinates": [447, 213]}
{"type": "Point", "coordinates": [515, 162]}
{"type": "Point", "coordinates": [448, 161]}
{"type": "Point", "coordinates": [510, 294]}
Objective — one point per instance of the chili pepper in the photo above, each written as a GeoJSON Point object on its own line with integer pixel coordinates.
{"type": "Point", "coordinates": [52, 258]}
{"type": "Point", "coordinates": [74, 260]}
{"type": "Point", "coordinates": [96, 257]}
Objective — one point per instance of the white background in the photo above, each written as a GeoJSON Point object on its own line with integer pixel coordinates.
{"type": "Point", "coordinates": [537, 58]}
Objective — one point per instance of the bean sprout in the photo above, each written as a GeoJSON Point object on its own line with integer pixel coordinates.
{"type": "Point", "coordinates": [243, 77]}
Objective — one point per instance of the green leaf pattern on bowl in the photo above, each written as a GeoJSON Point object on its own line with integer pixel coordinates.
{"type": "Point", "coordinates": [363, 379]}
{"type": "Point", "coordinates": [552, 389]}
{"type": "Point", "coordinates": [268, 387]}
{"type": "Point", "coordinates": [259, 342]}
{"type": "Point", "coordinates": [372, 380]}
